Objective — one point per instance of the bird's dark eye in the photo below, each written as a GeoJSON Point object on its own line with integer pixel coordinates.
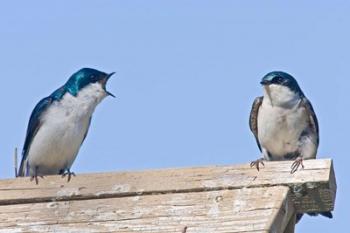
{"type": "Point", "coordinates": [278, 79]}
{"type": "Point", "coordinates": [93, 78]}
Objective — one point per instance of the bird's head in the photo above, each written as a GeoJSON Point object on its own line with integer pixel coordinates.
{"type": "Point", "coordinates": [281, 86]}
{"type": "Point", "coordinates": [85, 77]}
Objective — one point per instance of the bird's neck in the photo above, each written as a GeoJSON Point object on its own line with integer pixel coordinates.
{"type": "Point", "coordinates": [86, 99]}
{"type": "Point", "coordinates": [281, 96]}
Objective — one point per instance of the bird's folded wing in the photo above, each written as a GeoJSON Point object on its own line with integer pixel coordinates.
{"type": "Point", "coordinates": [312, 116]}
{"type": "Point", "coordinates": [253, 119]}
{"type": "Point", "coordinates": [34, 124]}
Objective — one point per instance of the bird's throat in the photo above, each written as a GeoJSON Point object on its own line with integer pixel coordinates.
{"type": "Point", "coordinates": [268, 92]}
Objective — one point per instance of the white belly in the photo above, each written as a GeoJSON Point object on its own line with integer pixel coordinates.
{"type": "Point", "coordinates": [279, 129]}
{"type": "Point", "coordinates": [64, 125]}
{"type": "Point", "coordinates": [56, 144]}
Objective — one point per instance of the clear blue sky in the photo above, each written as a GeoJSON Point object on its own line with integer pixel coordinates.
{"type": "Point", "coordinates": [187, 73]}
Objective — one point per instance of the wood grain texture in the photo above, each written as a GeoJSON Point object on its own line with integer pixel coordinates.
{"type": "Point", "coordinates": [253, 210]}
{"type": "Point", "coordinates": [313, 189]}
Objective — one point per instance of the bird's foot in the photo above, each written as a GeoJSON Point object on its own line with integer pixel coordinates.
{"type": "Point", "coordinates": [296, 164]}
{"type": "Point", "coordinates": [35, 177]}
{"type": "Point", "coordinates": [256, 163]}
{"type": "Point", "coordinates": [69, 174]}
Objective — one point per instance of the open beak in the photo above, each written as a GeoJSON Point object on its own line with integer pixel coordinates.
{"type": "Point", "coordinates": [107, 77]}
{"type": "Point", "coordinates": [108, 93]}
{"type": "Point", "coordinates": [104, 81]}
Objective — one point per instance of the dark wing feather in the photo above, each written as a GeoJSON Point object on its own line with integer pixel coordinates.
{"type": "Point", "coordinates": [33, 127]}
{"type": "Point", "coordinates": [312, 116]}
{"type": "Point", "coordinates": [325, 214]}
{"type": "Point", "coordinates": [253, 119]}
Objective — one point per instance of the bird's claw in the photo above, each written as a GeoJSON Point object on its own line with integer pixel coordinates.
{"type": "Point", "coordinates": [36, 178]}
{"type": "Point", "coordinates": [69, 174]}
{"type": "Point", "coordinates": [296, 164]}
{"type": "Point", "coordinates": [256, 163]}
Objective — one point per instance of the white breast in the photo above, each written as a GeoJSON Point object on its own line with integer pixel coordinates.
{"type": "Point", "coordinates": [65, 123]}
{"type": "Point", "coordinates": [281, 122]}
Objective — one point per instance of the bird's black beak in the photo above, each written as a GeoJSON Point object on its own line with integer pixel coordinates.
{"type": "Point", "coordinates": [108, 93]}
{"type": "Point", "coordinates": [110, 75]}
{"type": "Point", "coordinates": [107, 77]}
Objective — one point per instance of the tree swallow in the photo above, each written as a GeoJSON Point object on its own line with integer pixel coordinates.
{"type": "Point", "coordinates": [284, 123]}
{"type": "Point", "coordinates": [59, 124]}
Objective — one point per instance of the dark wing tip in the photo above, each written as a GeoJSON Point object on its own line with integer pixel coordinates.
{"type": "Point", "coordinates": [327, 214]}
{"type": "Point", "coordinates": [298, 217]}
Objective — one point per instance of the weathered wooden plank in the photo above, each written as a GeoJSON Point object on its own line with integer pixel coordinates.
{"type": "Point", "coordinates": [241, 210]}
{"type": "Point", "coordinates": [290, 228]}
{"type": "Point", "coordinates": [281, 222]}
{"type": "Point", "coordinates": [313, 189]}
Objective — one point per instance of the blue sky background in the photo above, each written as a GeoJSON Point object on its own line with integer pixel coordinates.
{"type": "Point", "coordinates": [187, 73]}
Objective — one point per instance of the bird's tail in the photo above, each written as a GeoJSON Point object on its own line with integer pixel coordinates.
{"type": "Point", "coordinates": [326, 214]}
{"type": "Point", "coordinates": [16, 162]}
{"type": "Point", "coordinates": [22, 169]}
